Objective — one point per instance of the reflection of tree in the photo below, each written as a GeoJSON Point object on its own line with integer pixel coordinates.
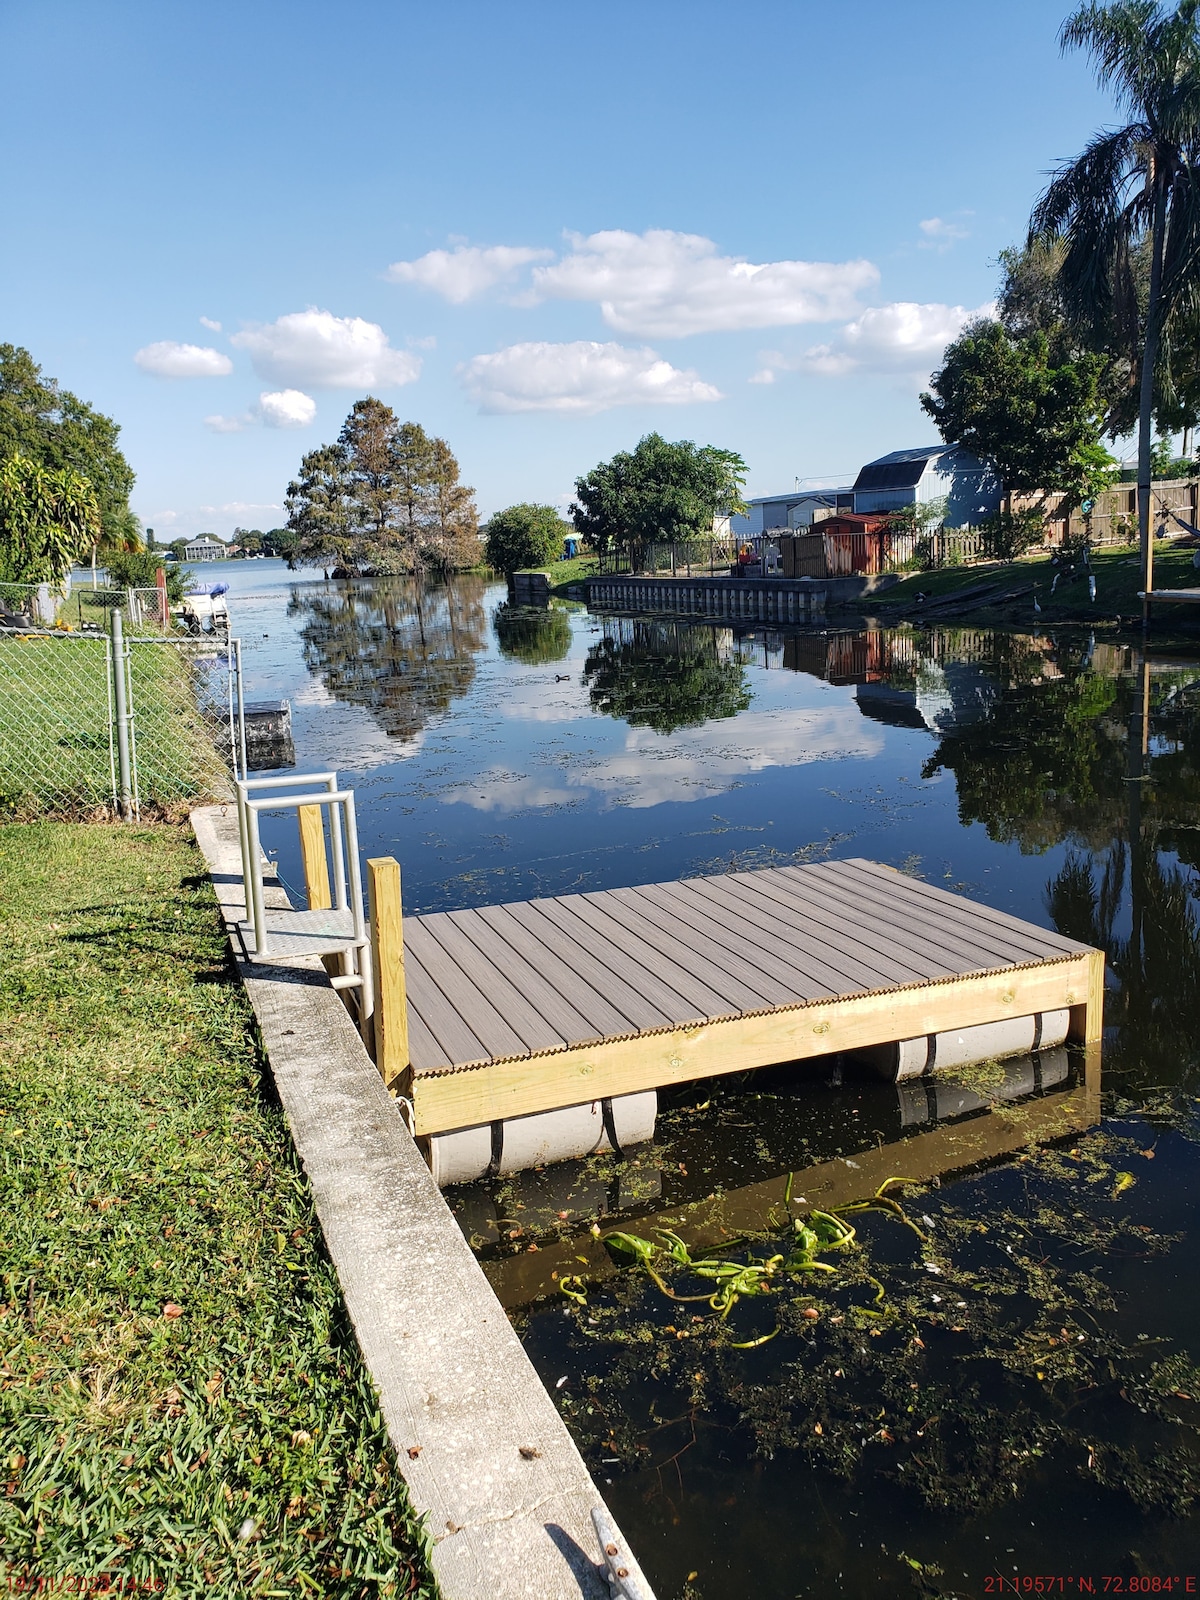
{"type": "Point", "coordinates": [1046, 763]}
{"type": "Point", "coordinates": [663, 675]}
{"type": "Point", "coordinates": [524, 634]}
{"type": "Point", "coordinates": [402, 648]}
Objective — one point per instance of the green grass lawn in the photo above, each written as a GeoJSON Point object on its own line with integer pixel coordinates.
{"type": "Point", "coordinates": [563, 574]}
{"type": "Point", "coordinates": [181, 1396]}
{"type": "Point", "coordinates": [1118, 580]}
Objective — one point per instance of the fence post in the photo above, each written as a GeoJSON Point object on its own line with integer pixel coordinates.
{"type": "Point", "coordinates": [121, 710]}
{"type": "Point", "coordinates": [387, 963]}
{"type": "Point", "coordinates": [164, 614]}
{"type": "Point", "coordinates": [312, 853]}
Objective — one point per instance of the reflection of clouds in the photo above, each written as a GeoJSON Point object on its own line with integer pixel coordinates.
{"type": "Point", "coordinates": [693, 764]}
{"type": "Point", "coordinates": [558, 711]}
{"type": "Point", "coordinates": [497, 790]}
{"type": "Point", "coordinates": [698, 762]}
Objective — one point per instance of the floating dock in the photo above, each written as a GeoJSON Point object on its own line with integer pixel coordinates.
{"type": "Point", "coordinates": [541, 1004]}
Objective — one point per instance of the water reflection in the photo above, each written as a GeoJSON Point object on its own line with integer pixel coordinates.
{"type": "Point", "coordinates": [401, 648]}
{"type": "Point", "coordinates": [531, 635]}
{"type": "Point", "coordinates": [665, 675]}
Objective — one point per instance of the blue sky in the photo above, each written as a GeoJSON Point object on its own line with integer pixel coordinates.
{"type": "Point", "coordinates": [533, 228]}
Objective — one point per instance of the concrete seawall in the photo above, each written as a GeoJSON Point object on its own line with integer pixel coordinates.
{"type": "Point", "coordinates": [772, 600]}
{"type": "Point", "coordinates": [483, 1450]}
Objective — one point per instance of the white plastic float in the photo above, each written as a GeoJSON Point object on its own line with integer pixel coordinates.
{"type": "Point", "coordinates": [964, 1047]}
{"type": "Point", "coordinates": [518, 1143]}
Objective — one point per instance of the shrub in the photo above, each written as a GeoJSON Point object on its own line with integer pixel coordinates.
{"type": "Point", "coordinates": [524, 536]}
{"type": "Point", "coordinates": [1009, 534]}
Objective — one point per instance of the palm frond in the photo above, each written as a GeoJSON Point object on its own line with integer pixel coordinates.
{"type": "Point", "coordinates": [1116, 38]}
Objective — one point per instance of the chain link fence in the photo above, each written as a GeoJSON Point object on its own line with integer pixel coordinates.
{"type": "Point", "coordinates": [104, 724]}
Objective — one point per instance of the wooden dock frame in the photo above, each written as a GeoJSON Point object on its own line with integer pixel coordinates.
{"type": "Point", "coordinates": [1054, 974]}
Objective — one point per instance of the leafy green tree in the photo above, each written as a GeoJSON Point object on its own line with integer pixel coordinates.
{"type": "Point", "coordinates": [524, 536]}
{"type": "Point", "coordinates": [1038, 424]}
{"type": "Point", "coordinates": [664, 677]}
{"type": "Point", "coordinates": [280, 542]}
{"type": "Point", "coordinates": [534, 637]}
{"type": "Point", "coordinates": [320, 513]}
{"type": "Point", "coordinates": [1133, 188]}
{"type": "Point", "coordinates": [49, 519]}
{"type": "Point", "coordinates": [658, 491]}
{"type": "Point", "coordinates": [451, 543]}
{"type": "Point", "coordinates": [55, 429]}
{"type": "Point", "coordinates": [385, 498]}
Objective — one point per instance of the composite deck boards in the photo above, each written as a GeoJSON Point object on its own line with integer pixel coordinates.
{"type": "Point", "coordinates": [482, 976]}
{"type": "Point", "coordinates": [875, 901]}
{"type": "Point", "coordinates": [869, 962]}
{"type": "Point", "coordinates": [695, 999]}
{"type": "Point", "coordinates": [931, 949]}
{"type": "Point", "coordinates": [729, 974]}
{"type": "Point", "coordinates": [549, 1002]}
{"type": "Point", "coordinates": [535, 982]}
{"type": "Point", "coordinates": [875, 894]}
{"type": "Point", "coordinates": [500, 1040]}
{"type": "Point", "coordinates": [611, 1005]}
{"type": "Point", "coordinates": [779, 977]}
{"type": "Point", "coordinates": [968, 912]}
{"type": "Point", "coordinates": [437, 1011]}
{"type": "Point", "coordinates": [634, 977]}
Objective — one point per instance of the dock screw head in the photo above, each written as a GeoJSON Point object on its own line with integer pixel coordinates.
{"type": "Point", "coordinates": [610, 1549]}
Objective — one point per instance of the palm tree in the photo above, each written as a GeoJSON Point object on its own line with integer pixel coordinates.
{"type": "Point", "coordinates": [1134, 187]}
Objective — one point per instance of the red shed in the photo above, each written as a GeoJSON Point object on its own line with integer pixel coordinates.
{"type": "Point", "coordinates": [855, 542]}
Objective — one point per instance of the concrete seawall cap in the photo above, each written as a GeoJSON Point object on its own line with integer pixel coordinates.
{"type": "Point", "coordinates": [486, 1457]}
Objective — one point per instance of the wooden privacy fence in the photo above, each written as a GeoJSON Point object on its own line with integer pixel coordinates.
{"type": "Point", "coordinates": [1113, 516]}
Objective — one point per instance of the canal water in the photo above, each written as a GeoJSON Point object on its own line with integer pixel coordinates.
{"type": "Point", "coordinates": [997, 1386]}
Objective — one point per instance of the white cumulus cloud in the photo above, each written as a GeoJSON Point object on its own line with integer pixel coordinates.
{"type": "Point", "coordinates": [320, 351]}
{"type": "Point", "coordinates": [286, 408]}
{"type": "Point", "coordinates": [466, 271]}
{"type": "Point", "coordinates": [167, 359]}
{"type": "Point", "coordinates": [582, 377]}
{"type": "Point", "coordinates": [903, 337]}
{"type": "Point", "coordinates": [665, 284]}
{"type": "Point", "coordinates": [207, 322]}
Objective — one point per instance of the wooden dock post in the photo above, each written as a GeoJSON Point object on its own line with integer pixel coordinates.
{"type": "Point", "coordinates": [312, 853]}
{"type": "Point", "coordinates": [1087, 1017]}
{"type": "Point", "coordinates": [387, 962]}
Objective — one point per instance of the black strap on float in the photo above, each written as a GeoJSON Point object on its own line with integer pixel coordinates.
{"type": "Point", "coordinates": [1037, 1032]}
{"type": "Point", "coordinates": [493, 1166]}
{"type": "Point", "coordinates": [610, 1128]}
{"type": "Point", "coordinates": [930, 1053]}
{"type": "Point", "coordinates": [931, 1106]}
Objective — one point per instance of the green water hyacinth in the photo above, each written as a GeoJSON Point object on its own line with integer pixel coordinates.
{"type": "Point", "coordinates": [819, 1233]}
